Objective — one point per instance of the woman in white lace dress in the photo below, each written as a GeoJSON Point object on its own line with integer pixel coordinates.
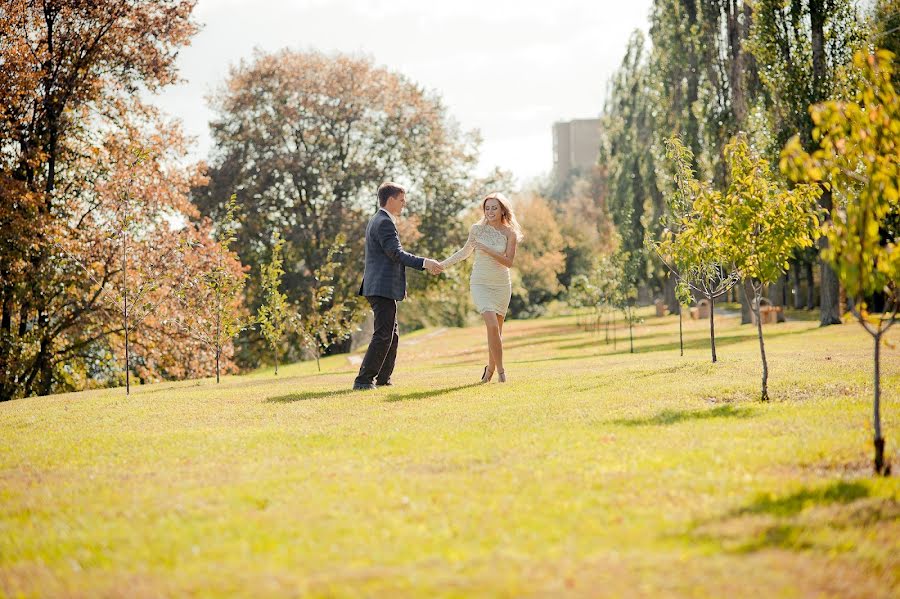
{"type": "Point", "coordinates": [493, 240]}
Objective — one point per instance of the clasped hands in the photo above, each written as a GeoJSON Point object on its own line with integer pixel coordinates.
{"type": "Point", "coordinates": [433, 266]}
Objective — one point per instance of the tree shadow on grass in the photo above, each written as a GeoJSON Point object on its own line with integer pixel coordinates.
{"type": "Point", "coordinates": [304, 395]}
{"type": "Point", "coordinates": [643, 374]}
{"type": "Point", "coordinates": [782, 522]}
{"type": "Point", "coordinates": [667, 417]}
{"type": "Point", "coordinates": [839, 492]}
{"type": "Point", "coordinates": [426, 394]}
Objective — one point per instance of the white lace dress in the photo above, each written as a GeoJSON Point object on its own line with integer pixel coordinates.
{"type": "Point", "coordinates": [490, 282]}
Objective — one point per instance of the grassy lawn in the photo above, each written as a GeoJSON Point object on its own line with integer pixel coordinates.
{"type": "Point", "coordinates": [592, 472]}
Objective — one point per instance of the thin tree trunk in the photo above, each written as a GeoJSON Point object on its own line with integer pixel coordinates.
{"type": "Point", "coordinates": [318, 365]}
{"type": "Point", "coordinates": [762, 346]}
{"type": "Point", "coordinates": [613, 318]}
{"type": "Point", "coordinates": [6, 310]}
{"type": "Point", "coordinates": [736, 64]}
{"type": "Point", "coordinates": [830, 288]}
{"type": "Point", "coordinates": [876, 415]}
{"type": "Point", "coordinates": [6, 389]}
{"type": "Point", "coordinates": [692, 130]}
{"type": "Point", "coordinates": [125, 301]}
{"type": "Point", "coordinates": [795, 282]}
{"type": "Point", "coordinates": [712, 327]}
{"type": "Point", "coordinates": [810, 287]}
{"type": "Point", "coordinates": [276, 361]}
{"type": "Point", "coordinates": [778, 295]}
{"type": "Point", "coordinates": [218, 334]}
{"type": "Point", "coordinates": [630, 333]}
{"type": "Point", "coordinates": [745, 303]}
{"type": "Point", "coordinates": [680, 333]}
{"type": "Point", "coordinates": [670, 297]}
{"type": "Point", "coordinates": [830, 294]}
{"type": "Point", "coordinates": [127, 362]}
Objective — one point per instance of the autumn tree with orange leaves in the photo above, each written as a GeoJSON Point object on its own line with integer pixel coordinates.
{"type": "Point", "coordinates": [70, 124]}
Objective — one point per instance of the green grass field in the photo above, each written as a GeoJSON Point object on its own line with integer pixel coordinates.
{"type": "Point", "coordinates": [593, 472]}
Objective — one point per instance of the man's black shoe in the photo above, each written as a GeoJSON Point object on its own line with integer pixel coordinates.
{"type": "Point", "coordinates": [369, 387]}
{"type": "Point", "coordinates": [384, 384]}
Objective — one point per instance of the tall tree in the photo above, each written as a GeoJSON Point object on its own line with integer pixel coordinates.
{"type": "Point", "coordinates": [731, 87]}
{"type": "Point", "coordinates": [68, 66]}
{"type": "Point", "coordinates": [802, 48]}
{"type": "Point", "coordinates": [635, 201]}
{"type": "Point", "coordinates": [676, 64]}
{"type": "Point", "coordinates": [306, 138]}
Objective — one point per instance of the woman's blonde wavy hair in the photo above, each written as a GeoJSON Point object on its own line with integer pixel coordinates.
{"type": "Point", "coordinates": [507, 217]}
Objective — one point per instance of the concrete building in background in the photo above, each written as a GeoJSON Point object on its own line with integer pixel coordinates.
{"type": "Point", "coordinates": [576, 144]}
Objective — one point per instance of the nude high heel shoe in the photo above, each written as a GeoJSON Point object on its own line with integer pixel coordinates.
{"type": "Point", "coordinates": [485, 377]}
{"type": "Point", "coordinates": [502, 374]}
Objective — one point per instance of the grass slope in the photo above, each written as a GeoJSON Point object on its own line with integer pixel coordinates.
{"type": "Point", "coordinates": [592, 472]}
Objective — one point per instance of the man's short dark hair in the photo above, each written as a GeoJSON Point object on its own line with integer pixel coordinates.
{"type": "Point", "coordinates": [388, 190]}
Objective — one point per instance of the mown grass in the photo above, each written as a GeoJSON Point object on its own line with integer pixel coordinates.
{"type": "Point", "coordinates": [593, 472]}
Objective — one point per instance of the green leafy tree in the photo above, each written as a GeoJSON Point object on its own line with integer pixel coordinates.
{"type": "Point", "coordinates": [765, 224]}
{"type": "Point", "coordinates": [273, 314]}
{"type": "Point", "coordinates": [692, 244]}
{"type": "Point", "coordinates": [858, 158]}
{"type": "Point", "coordinates": [326, 321]}
{"type": "Point", "coordinates": [310, 136]}
{"type": "Point", "coordinates": [634, 199]}
{"type": "Point", "coordinates": [676, 62]}
{"type": "Point", "coordinates": [803, 49]}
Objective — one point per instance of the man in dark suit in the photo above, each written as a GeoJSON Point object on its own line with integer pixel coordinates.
{"type": "Point", "coordinates": [384, 284]}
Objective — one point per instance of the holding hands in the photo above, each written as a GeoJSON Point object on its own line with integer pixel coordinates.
{"type": "Point", "coordinates": [433, 266]}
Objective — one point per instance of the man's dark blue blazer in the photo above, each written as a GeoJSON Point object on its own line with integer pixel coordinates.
{"type": "Point", "coordinates": [386, 262]}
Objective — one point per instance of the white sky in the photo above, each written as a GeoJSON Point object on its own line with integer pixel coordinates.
{"type": "Point", "coordinates": [508, 68]}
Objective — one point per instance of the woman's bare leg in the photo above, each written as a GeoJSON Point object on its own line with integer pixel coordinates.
{"type": "Point", "coordinates": [495, 345]}
{"type": "Point", "coordinates": [500, 319]}
{"type": "Point", "coordinates": [491, 364]}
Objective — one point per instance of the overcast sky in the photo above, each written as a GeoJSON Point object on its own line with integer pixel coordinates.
{"type": "Point", "coordinates": [508, 68]}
